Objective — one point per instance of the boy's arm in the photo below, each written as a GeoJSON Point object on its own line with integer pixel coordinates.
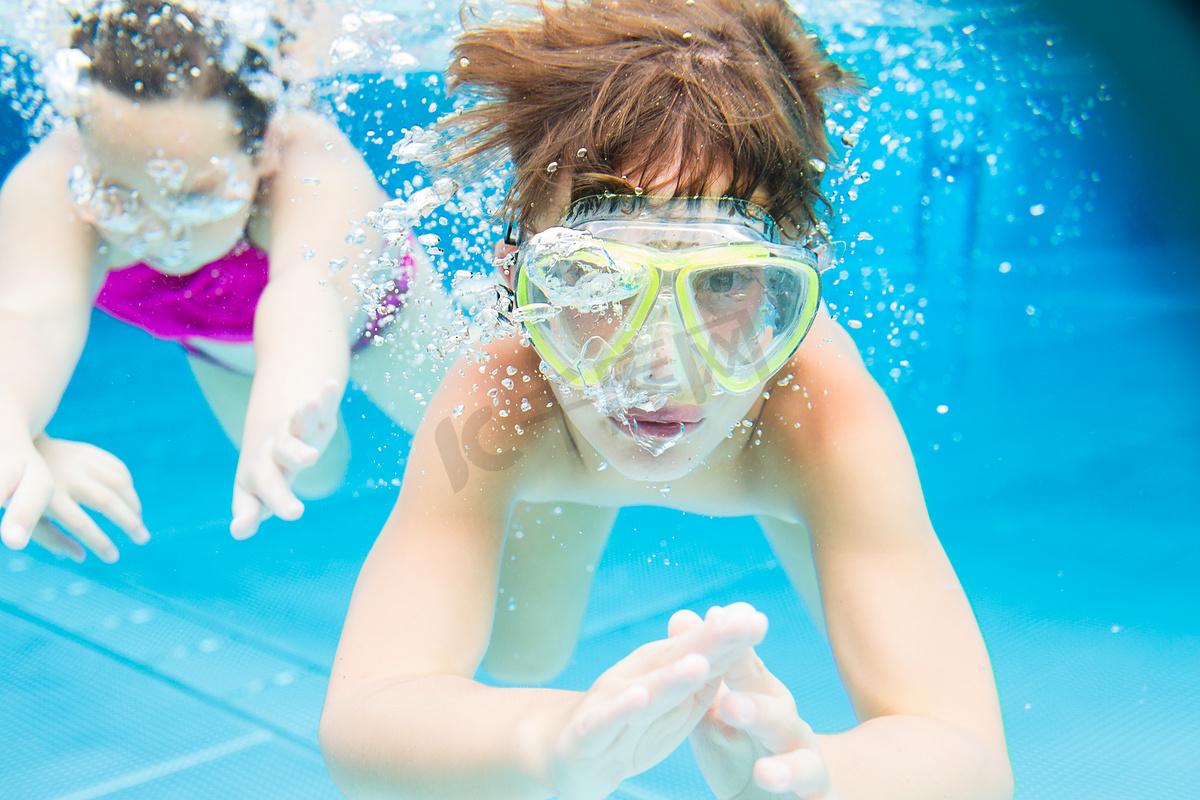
{"type": "Point", "coordinates": [46, 254]}
{"type": "Point", "coordinates": [906, 643]}
{"type": "Point", "coordinates": [304, 321]}
{"type": "Point", "coordinates": [403, 717]}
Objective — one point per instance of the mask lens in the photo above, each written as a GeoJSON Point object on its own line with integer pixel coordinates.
{"type": "Point", "coordinates": [596, 297]}
{"type": "Point", "coordinates": [748, 317]}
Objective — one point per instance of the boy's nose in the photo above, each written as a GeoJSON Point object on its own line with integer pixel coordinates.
{"type": "Point", "coordinates": [660, 358]}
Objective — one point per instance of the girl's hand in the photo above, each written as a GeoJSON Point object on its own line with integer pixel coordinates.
{"type": "Point", "coordinates": [642, 708]}
{"type": "Point", "coordinates": [27, 485]}
{"type": "Point", "coordinates": [267, 466]}
{"type": "Point", "coordinates": [84, 475]}
{"type": "Point", "coordinates": [752, 743]}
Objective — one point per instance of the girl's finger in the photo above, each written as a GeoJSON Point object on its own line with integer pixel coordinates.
{"type": "Point", "coordinates": [276, 495]}
{"type": "Point", "coordinates": [247, 514]}
{"type": "Point", "coordinates": [120, 481]}
{"type": "Point", "coordinates": [56, 542]}
{"type": "Point", "coordinates": [293, 454]}
{"type": "Point", "coordinates": [319, 412]}
{"type": "Point", "coordinates": [74, 520]}
{"type": "Point", "coordinates": [26, 504]}
{"type": "Point", "coordinates": [106, 500]}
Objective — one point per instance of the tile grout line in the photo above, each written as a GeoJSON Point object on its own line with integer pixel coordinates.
{"type": "Point", "coordinates": [187, 613]}
{"type": "Point", "coordinates": [191, 691]}
{"type": "Point", "coordinates": [179, 764]}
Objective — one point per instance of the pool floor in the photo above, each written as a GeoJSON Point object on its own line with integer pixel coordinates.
{"type": "Point", "coordinates": [196, 666]}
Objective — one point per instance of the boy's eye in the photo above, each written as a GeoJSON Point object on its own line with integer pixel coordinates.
{"type": "Point", "coordinates": [724, 281]}
{"type": "Point", "coordinates": [568, 273]}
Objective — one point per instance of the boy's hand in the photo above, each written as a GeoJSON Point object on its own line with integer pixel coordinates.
{"type": "Point", "coordinates": [267, 466]}
{"type": "Point", "coordinates": [85, 475]}
{"type": "Point", "coordinates": [642, 708]}
{"type": "Point", "coordinates": [752, 743]}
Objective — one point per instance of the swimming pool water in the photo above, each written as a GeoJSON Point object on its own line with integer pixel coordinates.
{"type": "Point", "coordinates": [1062, 478]}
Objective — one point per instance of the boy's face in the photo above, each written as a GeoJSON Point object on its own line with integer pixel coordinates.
{"type": "Point", "coordinates": [669, 442]}
{"type": "Point", "coordinates": [662, 326]}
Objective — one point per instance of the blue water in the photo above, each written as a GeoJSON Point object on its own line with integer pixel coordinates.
{"type": "Point", "coordinates": [1062, 479]}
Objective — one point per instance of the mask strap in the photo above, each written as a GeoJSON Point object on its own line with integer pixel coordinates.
{"type": "Point", "coordinates": [510, 238]}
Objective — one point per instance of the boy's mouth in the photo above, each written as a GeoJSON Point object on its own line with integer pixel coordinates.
{"type": "Point", "coordinates": [669, 422]}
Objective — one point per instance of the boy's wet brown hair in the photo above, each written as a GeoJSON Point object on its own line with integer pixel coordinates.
{"type": "Point", "coordinates": [160, 50]}
{"type": "Point", "coordinates": [611, 90]}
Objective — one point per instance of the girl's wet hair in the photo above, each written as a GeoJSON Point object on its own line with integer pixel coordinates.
{"type": "Point", "coordinates": [610, 91]}
{"type": "Point", "coordinates": [162, 50]}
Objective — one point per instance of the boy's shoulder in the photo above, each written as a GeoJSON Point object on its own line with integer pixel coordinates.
{"type": "Point", "coordinates": [497, 402]}
{"type": "Point", "coordinates": [825, 403]}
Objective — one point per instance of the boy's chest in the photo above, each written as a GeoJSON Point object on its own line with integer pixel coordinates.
{"type": "Point", "coordinates": [747, 486]}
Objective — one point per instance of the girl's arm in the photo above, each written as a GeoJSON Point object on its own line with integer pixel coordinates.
{"type": "Point", "coordinates": [46, 255]}
{"type": "Point", "coordinates": [308, 313]}
{"type": "Point", "coordinates": [403, 716]}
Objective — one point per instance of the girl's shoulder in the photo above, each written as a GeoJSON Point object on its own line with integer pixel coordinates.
{"type": "Point", "coordinates": [47, 164]}
{"type": "Point", "coordinates": [301, 132]}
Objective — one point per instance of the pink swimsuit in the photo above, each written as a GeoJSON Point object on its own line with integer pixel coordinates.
{"type": "Point", "coordinates": [217, 301]}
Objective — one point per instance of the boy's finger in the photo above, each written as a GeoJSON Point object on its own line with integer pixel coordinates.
{"type": "Point", "coordinates": [747, 673]}
{"type": "Point", "coordinates": [771, 720]}
{"type": "Point", "coordinates": [673, 684]}
{"type": "Point", "coordinates": [56, 542]}
{"type": "Point", "coordinates": [800, 773]}
{"type": "Point", "coordinates": [602, 724]}
{"type": "Point", "coordinates": [683, 621]}
{"type": "Point", "coordinates": [720, 638]}
{"type": "Point", "coordinates": [731, 631]}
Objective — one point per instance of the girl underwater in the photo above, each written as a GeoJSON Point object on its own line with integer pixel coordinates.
{"type": "Point", "coordinates": [664, 207]}
{"type": "Point", "coordinates": [188, 199]}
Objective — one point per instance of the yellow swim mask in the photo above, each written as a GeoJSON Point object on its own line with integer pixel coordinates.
{"type": "Point", "coordinates": [743, 299]}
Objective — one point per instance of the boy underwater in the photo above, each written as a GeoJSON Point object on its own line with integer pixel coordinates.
{"type": "Point", "coordinates": [665, 214]}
